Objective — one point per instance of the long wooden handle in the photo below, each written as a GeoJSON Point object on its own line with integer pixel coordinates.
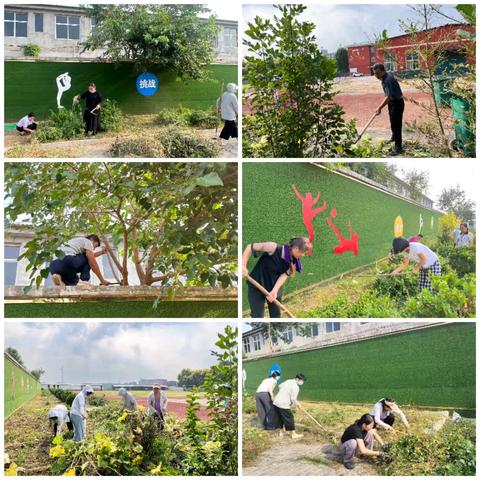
{"type": "Point", "coordinates": [266, 293]}
{"type": "Point", "coordinates": [314, 419]}
{"type": "Point", "coordinates": [372, 118]}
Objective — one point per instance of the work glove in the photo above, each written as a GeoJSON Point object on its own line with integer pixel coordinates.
{"type": "Point", "coordinates": [385, 447]}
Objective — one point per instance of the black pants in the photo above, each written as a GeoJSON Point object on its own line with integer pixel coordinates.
{"type": "Point", "coordinates": [257, 301]}
{"type": "Point", "coordinates": [390, 420]}
{"type": "Point", "coordinates": [70, 266]}
{"type": "Point", "coordinates": [92, 121]}
{"type": "Point", "coordinates": [32, 126]}
{"type": "Point", "coordinates": [286, 418]}
{"type": "Point", "coordinates": [395, 111]}
{"type": "Point", "coordinates": [264, 406]}
{"type": "Point", "coordinates": [229, 130]}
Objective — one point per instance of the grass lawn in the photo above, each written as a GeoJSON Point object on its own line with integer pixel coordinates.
{"type": "Point", "coordinates": [110, 309]}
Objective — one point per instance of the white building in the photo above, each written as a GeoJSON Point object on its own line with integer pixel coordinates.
{"type": "Point", "coordinates": [60, 30]}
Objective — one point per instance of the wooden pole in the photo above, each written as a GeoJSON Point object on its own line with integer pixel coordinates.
{"type": "Point", "coordinates": [372, 118]}
{"type": "Point", "coordinates": [218, 110]}
{"type": "Point", "coordinates": [266, 293]}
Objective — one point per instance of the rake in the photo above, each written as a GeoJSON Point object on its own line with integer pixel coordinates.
{"type": "Point", "coordinates": [267, 293]}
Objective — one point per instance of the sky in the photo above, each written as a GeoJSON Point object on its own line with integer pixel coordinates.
{"type": "Point", "coordinates": [343, 25]}
{"type": "Point", "coordinates": [113, 352]}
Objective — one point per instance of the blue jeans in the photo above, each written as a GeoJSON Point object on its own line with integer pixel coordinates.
{"type": "Point", "coordinates": [70, 266]}
{"type": "Point", "coordinates": [77, 421]}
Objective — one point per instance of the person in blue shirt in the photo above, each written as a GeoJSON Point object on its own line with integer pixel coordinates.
{"type": "Point", "coordinates": [396, 105]}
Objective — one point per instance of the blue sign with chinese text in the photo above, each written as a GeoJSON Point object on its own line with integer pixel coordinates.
{"type": "Point", "coordinates": [147, 84]}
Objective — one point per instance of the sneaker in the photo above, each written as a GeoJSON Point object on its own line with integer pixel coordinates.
{"type": "Point", "coordinates": [85, 285]}
{"type": "Point", "coordinates": [57, 280]}
{"type": "Point", "coordinates": [296, 435]}
{"type": "Point", "coordinates": [394, 153]}
{"type": "Point", "coordinates": [349, 465]}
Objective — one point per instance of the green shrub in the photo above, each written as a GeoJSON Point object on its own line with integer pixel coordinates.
{"type": "Point", "coordinates": [62, 124]}
{"type": "Point", "coordinates": [64, 396]}
{"type": "Point", "coordinates": [462, 260]}
{"type": "Point", "coordinates": [111, 119]}
{"type": "Point", "coordinates": [399, 288]}
{"type": "Point", "coordinates": [144, 147]}
{"type": "Point", "coordinates": [174, 116]}
{"type": "Point", "coordinates": [48, 134]}
{"type": "Point", "coordinates": [183, 143]}
{"type": "Point", "coordinates": [203, 119]}
{"type": "Point", "coordinates": [31, 50]}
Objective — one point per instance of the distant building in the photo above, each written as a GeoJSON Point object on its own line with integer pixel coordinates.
{"type": "Point", "coordinates": [59, 31]}
{"type": "Point", "coordinates": [154, 381]}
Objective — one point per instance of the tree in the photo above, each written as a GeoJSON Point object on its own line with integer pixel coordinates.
{"type": "Point", "coordinates": [454, 199]}
{"type": "Point", "coordinates": [418, 182]}
{"type": "Point", "coordinates": [37, 373]}
{"type": "Point", "coordinates": [191, 378]}
{"type": "Point", "coordinates": [14, 353]}
{"type": "Point", "coordinates": [341, 57]}
{"type": "Point", "coordinates": [380, 172]}
{"type": "Point", "coordinates": [177, 222]}
{"type": "Point", "coordinates": [290, 93]}
{"type": "Point", "coordinates": [164, 36]}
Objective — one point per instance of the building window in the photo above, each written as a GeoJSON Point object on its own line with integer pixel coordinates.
{"type": "Point", "coordinates": [246, 345]}
{"type": "Point", "coordinates": [230, 37]}
{"type": "Point", "coordinates": [15, 24]}
{"type": "Point", "coordinates": [39, 22]}
{"type": "Point", "coordinates": [390, 62]}
{"type": "Point", "coordinates": [412, 61]}
{"type": "Point", "coordinates": [314, 330]}
{"type": "Point", "coordinates": [256, 342]}
{"type": "Point", "coordinates": [288, 335]}
{"type": "Point", "coordinates": [68, 27]}
{"type": "Point", "coordinates": [11, 253]}
{"type": "Point", "coordinates": [332, 327]}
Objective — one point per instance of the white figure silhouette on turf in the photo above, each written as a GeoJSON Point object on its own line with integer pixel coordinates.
{"type": "Point", "coordinates": [64, 82]}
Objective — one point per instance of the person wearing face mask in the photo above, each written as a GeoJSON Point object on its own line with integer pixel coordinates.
{"type": "Point", "coordinates": [264, 399]}
{"type": "Point", "coordinates": [93, 103]}
{"type": "Point", "coordinates": [284, 401]}
{"type": "Point", "coordinates": [277, 262]}
{"type": "Point", "coordinates": [385, 412]}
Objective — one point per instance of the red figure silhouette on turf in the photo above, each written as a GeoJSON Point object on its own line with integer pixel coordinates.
{"type": "Point", "coordinates": [308, 212]}
{"type": "Point", "coordinates": [346, 244]}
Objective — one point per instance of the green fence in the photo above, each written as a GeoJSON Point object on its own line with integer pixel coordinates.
{"type": "Point", "coordinates": [19, 385]}
{"type": "Point", "coordinates": [431, 367]}
{"type": "Point", "coordinates": [31, 86]}
{"type": "Point", "coordinates": [272, 212]}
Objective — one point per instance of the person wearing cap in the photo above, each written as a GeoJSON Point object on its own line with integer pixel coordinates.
{"type": "Point", "coordinates": [227, 106]}
{"type": "Point", "coordinates": [26, 125]}
{"type": "Point", "coordinates": [129, 402]}
{"type": "Point", "coordinates": [427, 262]}
{"type": "Point", "coordinates": [157, 404]}
{"type": "Point", "coordinates": [284, 401]}
{"type": "Point", "coordinates": [277, 262]}
{"type": "Point", "coordinates": [358, 440]}
{"type": "Point", "coordinates": [78, 412]}
{"type": "Point", "coordinates": [464, 237]}
{"type": "Point", "coordinates": [264, 399]}
{"type": "Point", "coordinates": [58, 417]}
{"type": "Point", "coordinates": [93, 104]}
{"type": "Point", "coordinates": [385, 411]}
{"type": "Point", "coordinates": [79, 257]}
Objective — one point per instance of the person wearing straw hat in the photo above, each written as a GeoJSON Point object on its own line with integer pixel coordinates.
{"type": "Point", "coordinates": [157, 404]}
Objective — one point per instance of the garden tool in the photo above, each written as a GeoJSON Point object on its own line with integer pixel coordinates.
{"type": "Point", "coordinates": [330, 434]}
{"type": "Point", "coordinates": [218, 112]}
{"type": "Point", "coordinates": [372, 118]}
{"type": "Point", "coordinates": [266, 293]}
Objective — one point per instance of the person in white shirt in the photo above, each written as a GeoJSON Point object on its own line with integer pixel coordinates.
{"type": "Point", "coordinates": [286, 399]}
{"type": "Point", "coordinates": [426, 261]}
{"type": "Point", "coordinates": [385, 411]}
{"type": "Point", "coordinates": [227, 105]}
{"type": "Point", "coordinates": [79, 258]}
{"type": "Point", "coordinates": [464, 238]}
{"type": "Point", "coordinates": [27, 125]}
{"type": "Point", "coordinates": [58, 417]}
{"type": "Point", "coordinates": [264, 400]}
{"type": "Point", "coordinates": [157, 404]}
{"type": "Point", "coordinates": [129, 402]}
{"type": "Point", "coordinates": [78, 412]}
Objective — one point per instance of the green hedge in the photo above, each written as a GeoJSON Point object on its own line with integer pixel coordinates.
{"type": "Point", "coordinates": [434, 366]}
{"type": "Point", "coordinates": [31, 86]}
{"type": "Point", "coordinates": [19, 386]}
{"type": "Point", "coordinates": [272, 212]}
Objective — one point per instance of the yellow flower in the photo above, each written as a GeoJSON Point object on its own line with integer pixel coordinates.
{"type": "Point", "coordinates": [123, 417]}
{"type": "Point", "coordinates": [56, 451]}
{"type": "Point", "coordinates": [157, 470]}
{"type": "Point", "coordinates": [70, 473]}
{"type": "Point", "coordinates": [11, 471]}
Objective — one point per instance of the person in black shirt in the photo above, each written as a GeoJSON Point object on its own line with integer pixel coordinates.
{"type": "Point", "coordinates": [93, 103]}
{"type": "Point", "coordinates": [395, 102]}
{"type": "Point", "coordinates": [276, 264]}
{"type": "Point", "coordinates": [358, 439]}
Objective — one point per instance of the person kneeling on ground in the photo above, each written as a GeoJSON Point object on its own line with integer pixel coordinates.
{"type": "Point", "coordinates": [78, 412]}
{"type": "Point", "coordinates": [227, 105]}
{"type": "Point", "coordinates": [79, 259]}
{"type": "Point", "coordinates": [358, 439]}
{"type": "Point", "coordinates": [58, 416]}
{"type": "Point", "coordinates": [426, 260]}
{"type": "Point", "coordinates": [27, 125]}
{"type": "Point", "coordinates": [264, 400]}
{"type": "Point", "coordinates": [276, 264]}
{"type": "Point", "coordinates": [157, 404]}
{"type": "Point", "coordinates": [129, 402]}
{"type": "Point", "coordinates": [384, 413]}
{"type": "Point", "coordinates": [285, 399]}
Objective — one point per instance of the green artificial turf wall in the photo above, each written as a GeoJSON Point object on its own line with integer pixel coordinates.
{"type": "Point", "coordinates": [109, 309]}
{"type": "Point", "coordinates": [431, 367]}
{"type": "Point", "coordinates": [272, 212]}
{"type": "Point", "coordinates": [31, 86]}
{"type": "Point", "coordinates": [19, 386]}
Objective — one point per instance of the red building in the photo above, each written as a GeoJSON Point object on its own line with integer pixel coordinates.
{"type": "Point", "coordinates": [401, 52]}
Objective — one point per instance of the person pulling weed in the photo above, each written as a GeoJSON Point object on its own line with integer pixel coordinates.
{"type": "Point", "coordinates": [93, 104]}
{"type": "Point", "coordinates": [385, 411]}
{"type": "Point", "coordinates": [358, 440]}
{"type": "Point", "coordinates": [27, 124]}
{"type": "Point", "coordinates": [276, 264]}
{"type": "Point", "coordinates": [157, 404]}
{"type": "Point", "coordinates": [129, 402]}
{"type": "Point", "coordinates": [58, 417]}
{"type": "Point", "coordinates": [427, 262]}
{"type": "Point", "coordinates": [264, 400]}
